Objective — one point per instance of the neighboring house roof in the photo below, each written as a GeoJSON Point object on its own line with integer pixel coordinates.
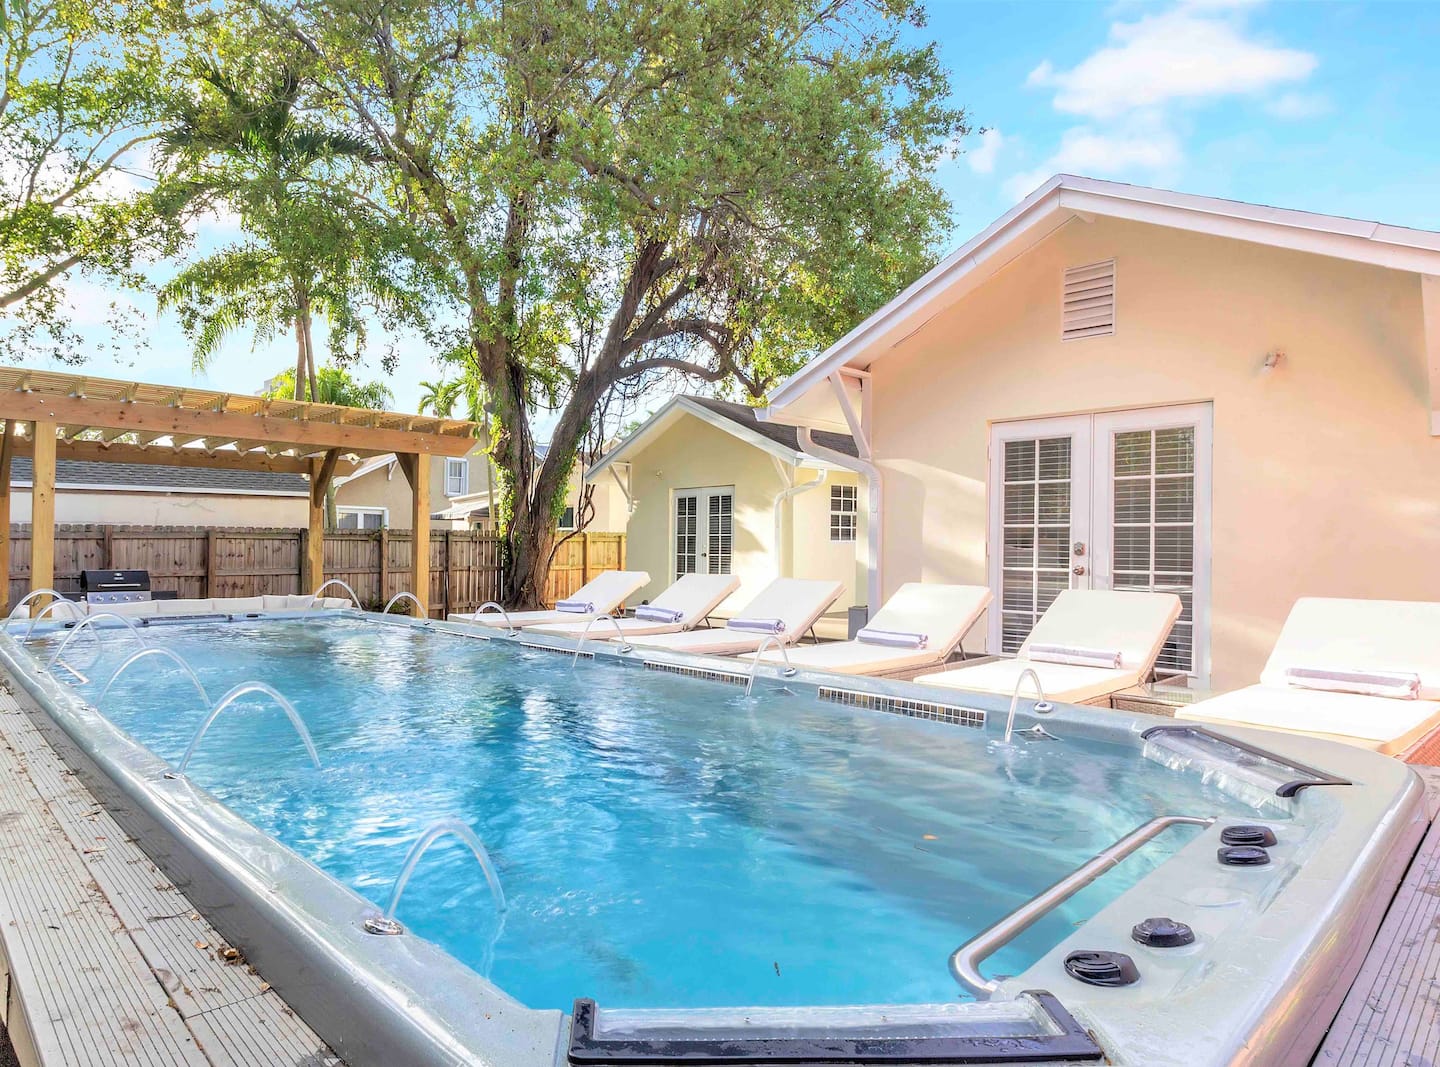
{"type": "Point", "coordinates": [154, 478]}
{"type": "Point", "coordinates": [778, 439]}
{"type": "Point", "coordinates": [1065, 198]}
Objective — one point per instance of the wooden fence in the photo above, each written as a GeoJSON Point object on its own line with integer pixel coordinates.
{"type": "Point", "coordinates": [198, 562]}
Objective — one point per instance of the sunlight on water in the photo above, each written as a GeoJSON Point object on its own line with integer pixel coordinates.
{"type": "Point", "coordinates": [662, 840]}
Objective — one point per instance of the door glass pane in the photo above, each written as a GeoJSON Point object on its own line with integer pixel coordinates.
{"type": "Point", "coordinates": [721, 533]}
{"type": "Point", "coordinates": [1036, 533]}
{"type": "Point", "coordinates": [1154, 527]}
{"type": "Point", "coordinates": [686, 534]}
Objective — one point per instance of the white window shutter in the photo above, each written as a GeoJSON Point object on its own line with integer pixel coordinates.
{"type": "Point", "coordinates": [1088, 305]}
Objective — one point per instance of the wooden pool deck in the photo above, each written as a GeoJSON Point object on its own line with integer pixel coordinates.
{"type": "Point", "coordinates": [1391, 1016]}
{"type": "Point", "coordinates": [106, 962]}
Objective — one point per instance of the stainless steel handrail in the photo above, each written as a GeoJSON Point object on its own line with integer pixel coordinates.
{"type": "Point", "coordinates": [965, 960]}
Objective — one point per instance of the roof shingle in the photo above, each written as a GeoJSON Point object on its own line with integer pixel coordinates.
{"type": "Point", "coordinates": [139, 477]}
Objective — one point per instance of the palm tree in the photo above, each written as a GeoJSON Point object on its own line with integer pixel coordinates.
{"type": "Point", "coordinates": [249, 150]}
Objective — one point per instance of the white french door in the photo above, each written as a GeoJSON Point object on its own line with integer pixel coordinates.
{"type": "Point", "coordinates": [1117, 500]}
{"type": "Point", "coordinates": [704, 530]}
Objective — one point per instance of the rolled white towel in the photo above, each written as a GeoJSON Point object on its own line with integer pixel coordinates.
{"type": "Point", "coordinates": [1394, 684]}
{"type": "Point", "coordinates": [1077, 657]}
{"type": "Point", "coordinates": [892, 638]}
{"type": "Point", "coordinates": [575, 607]}
{"type": "Point", "coordinates": [650, 613]}
{"type": "Point", "coordinates": [757, 626]}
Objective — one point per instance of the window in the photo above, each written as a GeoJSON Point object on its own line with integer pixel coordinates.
{"type": "Point", "coordinates": [844, 510]}
{"type": "Point", "coordinates": [457, 477]}
{"type": "Point", "coordinates": [1088, 307]}
{"type": "Point", "coordinates": [362, 518]}
{"type": "Point", "coordinates": [567, 518]}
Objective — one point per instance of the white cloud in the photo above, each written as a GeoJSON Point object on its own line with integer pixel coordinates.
{"type": "Point", "coordinates": [982, 158]}
{"type": "Point", "coordinates": [1186, 54]}
{"type": "Point", "coordinates": [1144, 148]}
{"type": "Point", "coordinates": [1298, 105]}
{"type": "Point", "coordinates": [1130, 96]}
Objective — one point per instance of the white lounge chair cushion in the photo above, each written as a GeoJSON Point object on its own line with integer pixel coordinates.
{"type": "Point", "coordinates": [695, 596]}
{"type": "Point", "coordinates": [607, 592]}
{"type": "Point", "coordinates": [1061, 681]}
{"type": "Point", "coordinates": [797, 602]}
{"type": "Point", "coordinates": [1373, 636]}
{"type": "Point", "coordinates": [1132, 623]}
{"type": "Point", "coordinates": [1381, 723]}
{"type": "Point", "coordinates": [944, 612]}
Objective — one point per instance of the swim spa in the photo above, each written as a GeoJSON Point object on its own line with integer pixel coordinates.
{"type": "Point", "coordinates": [672, 850]}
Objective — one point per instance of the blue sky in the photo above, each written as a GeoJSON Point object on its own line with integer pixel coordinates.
{"type": "Point", "coordinates": [1329, 107]}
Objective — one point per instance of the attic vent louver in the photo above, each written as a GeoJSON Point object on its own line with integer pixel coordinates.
{"type": "Point", "coordinates": [1089, 303]}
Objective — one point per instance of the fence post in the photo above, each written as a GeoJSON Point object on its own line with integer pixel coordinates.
{"type": "Point", "coordinates": [210, 568]}
{"type": "Point", "coordinates": [384, 541]}
{"type": "Point", "coordinates": [107, 553]}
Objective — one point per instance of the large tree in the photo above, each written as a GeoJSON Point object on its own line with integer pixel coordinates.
{"type": "Point", "coordinates": [611, 193]}
{"type": "Point", "coordinates": [85, 87]}
{"type": "Point", "coordinates": [307, 248]}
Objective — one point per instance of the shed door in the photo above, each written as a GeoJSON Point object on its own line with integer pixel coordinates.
{"type": "Point", "coordinates": [1117, 500]}
{"type": "Point", "coordinates": [704, 532]}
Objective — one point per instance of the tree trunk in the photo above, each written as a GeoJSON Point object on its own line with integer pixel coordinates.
{"type": "Point", "coordinates": [299, 360]}
{"type": "Point", "coordinates": [306, 319]}
{"type": "Point", "coordinates": [531, 540]}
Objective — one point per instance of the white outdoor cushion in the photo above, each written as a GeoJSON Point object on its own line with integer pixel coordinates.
{"type": "Point", "coordinates": [184, 607]}
{"type": "Point", "coordinates": [1380, 723]}
{"type": "Point", "coordinates": [1061, 681]}
{"type": "Point", "coordinates": [139, 609]}
{"type": "Point", "coordinates": [945, 613]}
{"type": "Point", "coordinates": [1382, 636]}
{"type": "Point", "coordinates": [607, 591]}
{"type": "Point", "coordinates": [1130, 622]}
{"type": "Point", "coordinates": [694, 595]}
{"type": "Point", "coordinates": [239, 603]}
{"type": "Point", "coordinates": [796, 601]}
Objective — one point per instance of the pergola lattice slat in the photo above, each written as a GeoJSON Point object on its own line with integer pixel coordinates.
{"type": "Point", "coordinates": [48, 415]}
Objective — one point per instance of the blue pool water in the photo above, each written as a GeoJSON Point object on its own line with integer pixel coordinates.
{"type": "Point", "coordinates": [663, 840]}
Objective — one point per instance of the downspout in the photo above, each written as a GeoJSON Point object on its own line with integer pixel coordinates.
{"type": "Point", "coordinates": [861, 465]}
{"type": "Point", "coordinates": [782, 567]}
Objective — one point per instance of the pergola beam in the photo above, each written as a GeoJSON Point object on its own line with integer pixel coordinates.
{"type": "Point", "coordinates": [7, 452]}
{"type": "Point", "coordinates": [180, 422]}
{"type": "Point", "coordinates": [42, 513]}
{"type": "Point", "coordinates": [165, 456]}
{"type": "Point", "coordinates": [417, 472]}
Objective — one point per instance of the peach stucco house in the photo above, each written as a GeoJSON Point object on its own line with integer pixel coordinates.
{"type": "Point", "coordinates": [1116, 387]}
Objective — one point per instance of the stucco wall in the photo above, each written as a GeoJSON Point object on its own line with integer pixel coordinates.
{"type": "Point", "coordinates": [1325, 478]}
{"type": "Point", "coordinates": [186, 508]}
{"type": "Point", "coordinates": [693, 454]}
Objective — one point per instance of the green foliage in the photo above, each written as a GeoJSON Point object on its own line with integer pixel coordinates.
{"type": "Point", "coordinates": [606, 194]}
{"type": "Point", "coordinates": [335, 385]}
{"type": "Point", "coordinates": [84, 87]}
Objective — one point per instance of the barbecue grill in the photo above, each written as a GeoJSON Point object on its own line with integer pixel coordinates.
{"type": "Point", "coordinates": [115, 587]}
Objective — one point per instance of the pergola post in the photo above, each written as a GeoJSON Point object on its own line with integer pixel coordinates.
{"type": "Point", "coordinates": [321, 471]}
{"type": "Point", "coordinates": [42, 513]}
{"type": "Point", "coordinates": [417, 472]}
{"type": "Point", "coordinates": [7, 451]}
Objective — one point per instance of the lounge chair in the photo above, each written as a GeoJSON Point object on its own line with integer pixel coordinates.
{"type": "Point", "coordinates": [785, 609]}
{"type": "Point", "coordinates": [1088, 644]}
{"type": "Point", "coordinates": [1365, 672]}
{"type": "Point", "coordinates": [601, 595]}
{"type": "Point", "coordinates": [920, 626]}
{"type": "Point", "coordinates": [684, 606]}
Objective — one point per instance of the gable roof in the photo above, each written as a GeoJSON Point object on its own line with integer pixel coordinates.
{"type": "Point", "coordinates": [1062, 199]}
{"type": "Point", "coordinates": [156, 478]}
{"type": "Point", "coordinates": [776, 438]}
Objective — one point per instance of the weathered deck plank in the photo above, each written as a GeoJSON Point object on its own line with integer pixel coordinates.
{"type": "Point", "coordinates": [104, 950]}
{"type": "Point", "coordinates": [1391, 1017]}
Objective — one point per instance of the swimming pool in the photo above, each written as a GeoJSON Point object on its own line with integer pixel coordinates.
{"type": "Point", "coordinates": [664, 841]}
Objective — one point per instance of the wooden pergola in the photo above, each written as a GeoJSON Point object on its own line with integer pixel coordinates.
{"type": "Point", "coordinates": [49, 416]}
